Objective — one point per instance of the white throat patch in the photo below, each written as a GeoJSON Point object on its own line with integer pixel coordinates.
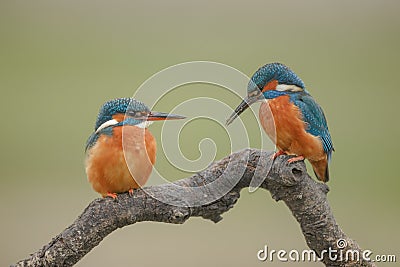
{"type": "Point", "coordinates": [144, 124]}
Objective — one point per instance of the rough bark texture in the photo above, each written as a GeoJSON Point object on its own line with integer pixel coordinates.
{"type": "Point", "coordinates": [287, 182]}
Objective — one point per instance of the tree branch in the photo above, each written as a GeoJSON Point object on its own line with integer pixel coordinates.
{"type": "Point", "coordinates": [287, 182]}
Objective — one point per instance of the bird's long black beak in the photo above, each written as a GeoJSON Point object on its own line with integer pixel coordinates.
{"type": "Point", "coordinates": [250, 99]}
{"type": "Point", "coordinates": [160, 116]}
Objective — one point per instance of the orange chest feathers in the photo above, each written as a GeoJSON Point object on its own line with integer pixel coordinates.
{"type": "Point", "coordinates": [282, 121]}
{"type": "Point", "coordinates": [121, 161]}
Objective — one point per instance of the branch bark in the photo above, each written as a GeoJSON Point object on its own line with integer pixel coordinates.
{"type": "Point", "coordinates": [287, 182]}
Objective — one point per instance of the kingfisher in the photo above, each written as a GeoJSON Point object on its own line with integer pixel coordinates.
{"type": "Point", "coordinates": [114, 165]}
{"type": "Point", "coordinates": [290, 117]}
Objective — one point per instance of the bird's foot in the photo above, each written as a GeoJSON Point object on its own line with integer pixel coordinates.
{"type": "Point", "coordinates": [130, 192]}
{"type": "Point", "coordinates": [112, 195]}
{"type": "Point", "coordinates": [277, 154]}
{"type": "Point", "coordinates": [298, 158]}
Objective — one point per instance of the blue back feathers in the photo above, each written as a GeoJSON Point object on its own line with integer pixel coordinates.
{"type": "Point", "coordinates": [274, 71]}
{"type": "Point", "coordinates": [314, 117]}
{"type": "Point", "coordinates": [312, 113]}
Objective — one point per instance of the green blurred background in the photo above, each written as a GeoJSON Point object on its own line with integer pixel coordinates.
{"type": "Point", "coordinates": [60, 60]}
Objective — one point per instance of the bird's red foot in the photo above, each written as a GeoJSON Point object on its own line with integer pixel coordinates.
{"type": "Point", "coordinates": [298, 158]}
{"type": "Point", "coordinates": [277, 154]}
{"type": "Point", "coordinates": [112, 195]}
{"type": "Point", "coordinates": [130, 192]}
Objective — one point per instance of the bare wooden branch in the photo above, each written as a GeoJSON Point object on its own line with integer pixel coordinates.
{"type": "Point", "coordinates": [290, 183]}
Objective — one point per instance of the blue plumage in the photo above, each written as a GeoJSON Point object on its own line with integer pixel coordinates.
{"type": "Point", "coordinates": [314, 116]}
{"type": "Point", "coordinates": [300, 126]}
{"type": "Point", "coordinates": [274, 71]}
{"type": "Point", "coordinates": [111, 108]}
{"type": "Point", "coordinates": [119, 105]}
{"type": "Point", "coordinates": [312, 113]}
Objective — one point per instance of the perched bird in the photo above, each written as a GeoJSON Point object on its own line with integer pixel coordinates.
{"type": "Point", "coordinates": [114, 165]}
{"type": "Point", "coordinates": [290, 116]}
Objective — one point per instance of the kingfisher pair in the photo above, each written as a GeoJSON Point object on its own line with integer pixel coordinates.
{"type": "Point", "coordinates": [288, 114]}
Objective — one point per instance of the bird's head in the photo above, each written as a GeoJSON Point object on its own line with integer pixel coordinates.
{"type": "Point", "coordinates": [269, 81]}
{"type": "Point", "coordinates": [128, 111]}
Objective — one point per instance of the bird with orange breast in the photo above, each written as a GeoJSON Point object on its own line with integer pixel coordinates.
{"type": "Point", "coordinates": [290, 117]}
{"type": "Point", "coordinates": [121, 152]}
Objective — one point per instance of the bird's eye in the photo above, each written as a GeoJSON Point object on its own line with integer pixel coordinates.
{"type": "Point", "coordinates": [138, 114]}
{"type": "Point", "coordinates": [133, 113]}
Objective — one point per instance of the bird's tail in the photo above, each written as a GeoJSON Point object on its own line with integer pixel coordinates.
{"type": "Point", "coordinates": [321, 169]}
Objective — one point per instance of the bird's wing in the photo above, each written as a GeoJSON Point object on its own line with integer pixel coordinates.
{"type": "Point", "coordinates": [91, 141]}
{"type": "Point", "coordinates": [314, 116]}
{"type": "Point", "coordinates": [96, 135]}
